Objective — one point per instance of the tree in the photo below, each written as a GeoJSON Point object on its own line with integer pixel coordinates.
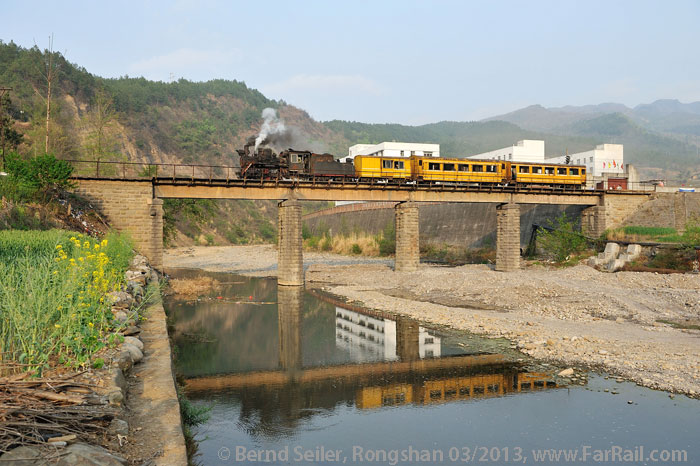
{"type": "Point", "coordinates": [10, 139]}
{"type": "Point", "coordinates": [49, 74]}
{"type": "Point", "coordinates": [99, 120]}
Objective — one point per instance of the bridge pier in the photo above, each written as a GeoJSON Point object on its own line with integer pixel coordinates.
{"type": "Point", "coordinates": [289, 301]}
{"type": "Point", "coordinates": [290, 263]}
{"type": "Point", "coordinates": [407, 249]}
{"type": "Point", "coordinates": [593, 222]}
{"type": "Point", "coordinates": [507, 237]}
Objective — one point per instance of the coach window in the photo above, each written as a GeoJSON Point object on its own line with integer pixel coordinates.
{"type": "Point", "coordinates": [561, 171]}
{"type": "Point", "coordinates": [433, 166]}
{"type": "Point", "coordinates": [583, 171]}
{"type": "Point", "coordinates": [491, 168]}
{"type": "Point", "coordinates": [463, 167]}
{"type": "Point", "coordinates": [477, 168]}
{"type": "Point", "coordinates": [549, 170]}
{"type": "Point", "coordinates": [574, 172]}
{"type": "Point", "coordinates": [449, 167]}
{"type": "Point", "coordinates": [523, 169]}
{"type": "Point", "coordinates": [398, 165]}
{"type": "Point", "coordinates": [537, 170]}
{"type": "Point", "coordinates": [386, 163]}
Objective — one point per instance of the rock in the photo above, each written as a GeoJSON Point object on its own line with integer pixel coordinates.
{"type": "Point", "coordinates": [132, 330]}
{"type": "Point", "coordinates": [117, 379]}
{"type": "Point", "coordinates": [134, 341]}
{"type": "Point", "coordinates": [135, 276]}
{"type": "Point", "coordinates": [634, 251]}
{"type": "Point", "coordinates": [611, 251]}
{"type": "Point", "coordinates": [671, 395]}
{"type": "Point", "coordinates": [124, 361]}
{"type": "Point", "coordinates": [24, 456]}
{"type": "Point", "coordinates": [115, 397]}
{"type": "Point", "coordinates": [614, 392]}
{"type": "Point", "coordinates": [118, 427]}
{"type": "Point", "coordinates": [82, 454]}
{"type": "Point", "coordinates": [629, 402]}
{"type": "Point", "coordinates": [121, 299]}
{"type": "Point", "coordinates": [121, 317]}
{"type": "Point", "coordinates": [566, 372]}
{"type": "Point", "coordinates": [134, 351]}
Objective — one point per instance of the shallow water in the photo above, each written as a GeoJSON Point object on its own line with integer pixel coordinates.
{"type": "Point", "coordinates": [290, 373]}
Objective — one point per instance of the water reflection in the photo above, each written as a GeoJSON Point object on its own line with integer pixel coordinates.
{"type": "Point", "coordinates": [319, 354]}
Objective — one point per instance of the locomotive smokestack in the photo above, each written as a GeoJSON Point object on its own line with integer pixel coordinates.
{"type": "Point", "coordinates": [271, 128]}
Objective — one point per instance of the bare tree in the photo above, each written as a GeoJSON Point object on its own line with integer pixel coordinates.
{"type": "Point", "coordinates": [49, 74]}
{"type": "Point", "coordinates": [98, 121]}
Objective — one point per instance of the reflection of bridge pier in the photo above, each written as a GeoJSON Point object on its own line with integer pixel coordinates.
{"type": "Point", "coordinates": [289, 302]}
{"type": "Point", "coordinates": [407, 339]}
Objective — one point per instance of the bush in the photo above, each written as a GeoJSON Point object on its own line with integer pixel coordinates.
{"type": "Point", "coordinates": [326, 243]}
{"type": "Point", "coordinates": [387, 241]}
{"type": "Point", "coordinates": [356, 249]}
{"type": "Point", "coordinates": [562, 241]}
{"type": "Point", "coordinates": [44, 175]}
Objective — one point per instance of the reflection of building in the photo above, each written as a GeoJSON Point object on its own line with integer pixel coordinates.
{"type": "Point", "coordinates": [371, 338]}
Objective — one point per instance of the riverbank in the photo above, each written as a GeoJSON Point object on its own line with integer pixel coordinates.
{"type": "Point", "coordinates": [617, 323]}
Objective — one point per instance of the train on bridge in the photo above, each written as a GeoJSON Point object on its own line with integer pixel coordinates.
{"type": "Point", "coordinates": [264, 163]}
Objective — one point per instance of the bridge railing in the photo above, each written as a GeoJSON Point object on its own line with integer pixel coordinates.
{"type": "Point", "coordinates": [143, 170]}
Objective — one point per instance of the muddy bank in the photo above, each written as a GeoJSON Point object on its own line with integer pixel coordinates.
{"type": "Point", "coordinates": [575, 316]}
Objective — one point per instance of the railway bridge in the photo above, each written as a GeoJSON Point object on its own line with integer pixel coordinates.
{"type": "Point", "coordinates": [131, 196]}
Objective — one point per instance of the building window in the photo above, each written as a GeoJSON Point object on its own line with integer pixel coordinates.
{"type": "Point", "coordinates": [401, 153]}
{"type": "Point", "coordinates": [510, 156]}
{"type": "Point", "coordinates": [590, 159]}
{"type": "Point", "coordinates": [428, 154]}
{"type": "Point", "coordinates": [413, 152]}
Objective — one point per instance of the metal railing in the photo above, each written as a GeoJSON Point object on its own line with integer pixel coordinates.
{"type": "Point", "coordinates": [99, 169]}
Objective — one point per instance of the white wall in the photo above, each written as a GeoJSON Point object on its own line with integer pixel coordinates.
{"type": "Point", "coordinates": [395, 149]}
{"type": "Point", "coordinates": [605, 158]}
{"type": "Point", "coordinates": [527, 150]}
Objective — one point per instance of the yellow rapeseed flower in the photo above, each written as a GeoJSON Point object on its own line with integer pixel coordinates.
{"type": "Point", "coordinates": [86, 244]}
{"type": "Point", "coordinates": [90, 324]}
{"type": "Point", "coordinates": [58, 246]}
{"type": "Point", "coordinates": [57, 325]}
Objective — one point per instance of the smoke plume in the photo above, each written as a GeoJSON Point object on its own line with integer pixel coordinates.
{"type": "Point", "coordinates": [272, 128]}
{"type": "Point", "coordinates": [274, 133]}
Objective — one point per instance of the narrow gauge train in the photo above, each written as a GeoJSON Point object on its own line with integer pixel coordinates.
{"type": "Point", "coordinates": [291, 164]}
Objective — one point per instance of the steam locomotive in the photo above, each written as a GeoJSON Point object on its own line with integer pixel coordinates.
{"type": "Point", "coordinates": [264, 163]}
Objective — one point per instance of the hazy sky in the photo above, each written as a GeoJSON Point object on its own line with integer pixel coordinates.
{"type": "Point", "coordinates": [386, 61]}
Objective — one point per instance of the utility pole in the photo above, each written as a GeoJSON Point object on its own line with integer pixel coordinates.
{"type": "Point", "coordinates": [3, 90]}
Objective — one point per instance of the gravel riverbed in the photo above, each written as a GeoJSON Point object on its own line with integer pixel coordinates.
{"type": "Point", "coordinates": [573, 316]}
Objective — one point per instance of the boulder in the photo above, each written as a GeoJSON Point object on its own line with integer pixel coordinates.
{"type": "Point", "coordinates": [134, 341]}
{"type": "Point", "coordinates": [82, 454]}
{"type": "Point", "coordinates": [566, 372]}
{"type": "Point", "coordinates": [611, 250]}
{"type": "Point", "coordinates": [121, 299]}
{"type": "Point", "coordinates": [136, 354]}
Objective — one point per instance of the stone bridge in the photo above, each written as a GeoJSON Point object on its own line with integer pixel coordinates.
{"type": "Point", "coordinates": [136, 206]}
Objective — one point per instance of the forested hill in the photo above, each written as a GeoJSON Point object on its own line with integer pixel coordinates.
{"type": "Point", "coordinates": [137, 119]}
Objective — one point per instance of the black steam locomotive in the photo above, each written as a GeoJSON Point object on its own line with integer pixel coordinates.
{"type": "Point", "coordinates": [265, 164]}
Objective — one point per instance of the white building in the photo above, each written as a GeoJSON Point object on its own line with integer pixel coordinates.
{"type": "Point", "coordinates": [394, 149]}
{"type": "Point", "coordinates": [605, 159]}
{"type": "Point", "coordinates": [527, 150]}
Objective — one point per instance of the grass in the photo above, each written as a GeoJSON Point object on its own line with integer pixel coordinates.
{"type": "Point", "coordinates": [53, 304]}
{"type": "Point", "coordinates": [351, 244]}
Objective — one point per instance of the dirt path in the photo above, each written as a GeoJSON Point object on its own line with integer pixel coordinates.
{"type": "Point", "coordinates": [574, 316]}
